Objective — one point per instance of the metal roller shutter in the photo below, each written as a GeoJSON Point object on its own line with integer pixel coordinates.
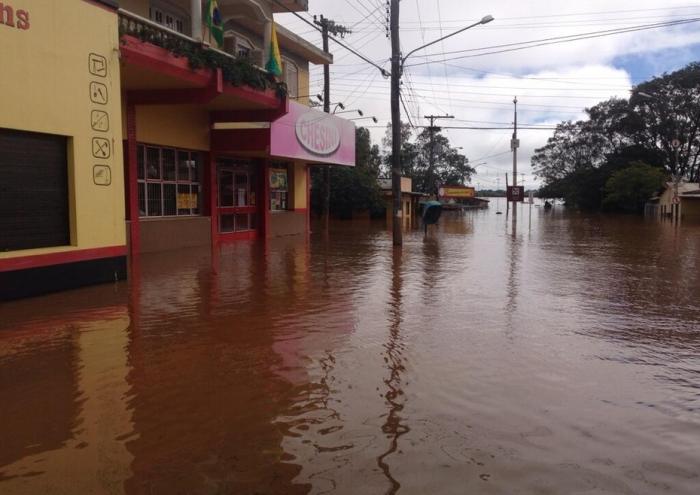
{"type": "Point", "coordinates": [33, 190]}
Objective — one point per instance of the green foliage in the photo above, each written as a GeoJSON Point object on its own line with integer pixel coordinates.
{"type": "Point", "coordinates": [236, 71]}
{"type": "Point", "coordinates": [352, 188]}
{"type": "Point", "coordinates": [429, 163]}
{"type": "Point", "coordinates": [628, 189]}
{"type": "Point", "coordinates": [580, 157]}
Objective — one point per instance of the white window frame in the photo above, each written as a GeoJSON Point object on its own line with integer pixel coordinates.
{"type": "Point", "coordinates": [288, 64]}
{"type": "Point", "coordinates": [167, 10]}
{"type": "Point", "coordinates": [240, 42]}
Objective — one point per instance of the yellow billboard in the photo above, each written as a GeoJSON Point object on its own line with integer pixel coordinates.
{"type": "Point", "coordinates": [457, 192]}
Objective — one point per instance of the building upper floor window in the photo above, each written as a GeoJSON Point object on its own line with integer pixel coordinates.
{"type": "Point", "coordinates": [291, 78]}
{"type": "Point", "coordinates": [237, 45]}
{"type": "Point", "coordinates": [168, 16]}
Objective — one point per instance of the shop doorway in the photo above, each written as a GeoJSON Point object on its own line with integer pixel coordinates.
{"type": "Point", "coordinates": [238, 202]}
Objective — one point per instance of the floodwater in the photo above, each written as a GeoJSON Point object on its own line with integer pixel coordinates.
{"type": "Point", "coordinates": [551, 353]}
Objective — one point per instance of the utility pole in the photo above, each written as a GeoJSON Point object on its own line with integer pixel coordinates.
{"type": "Point", "coordinates": [514, 142]}
{"type": "Point", "coordinates": [396, 124]}
{"type": "Point", "coordinates": [328, 26]}
{"type": "Point", "coordinates": [431, 163]}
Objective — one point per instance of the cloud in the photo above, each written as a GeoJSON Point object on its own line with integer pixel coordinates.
{"type": "Point", "coordinates": [553, 83]}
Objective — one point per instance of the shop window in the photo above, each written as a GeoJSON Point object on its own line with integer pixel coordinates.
{"type": "Point", "coordinates": [291, 78]}
{"type": "Point", "coordinates": [33, 190]}
{"type": "Point", "coordinates": [168, 182]}
{"type": "Point", "coordinates": [279, 187]}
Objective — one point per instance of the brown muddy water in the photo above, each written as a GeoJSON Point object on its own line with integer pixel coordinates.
{"type": "Point", "coordinates": [557, 354]}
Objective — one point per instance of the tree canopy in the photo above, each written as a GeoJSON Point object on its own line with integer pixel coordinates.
{"type": "Point", "coordinates": [580, 157]}
{"type": "Point", "coordinates": [429, 163]}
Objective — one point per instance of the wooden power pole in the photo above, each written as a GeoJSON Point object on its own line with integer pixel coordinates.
{"type": "Point", "coordinates": [328, 27]}
{"type": "Point", "coordinates": [396, 125]}
{"type": "Point", "coordinates": [432, 189]}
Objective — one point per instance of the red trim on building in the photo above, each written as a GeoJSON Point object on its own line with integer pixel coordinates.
{"type": "Point", "coordinates": [190, 96]}
{"type": "Point", "coordinates": [155, 58]}
{"type": "Point", "coordinates": [39, 260]}
{"type": "Point", "coordinates": [131, 176]}
{"type": "Point", "coordinates": [241, 141]}
{"type": "Point", "coordinates": [265, 203]}
{"type": "Point", "coordinates": [213, 196]}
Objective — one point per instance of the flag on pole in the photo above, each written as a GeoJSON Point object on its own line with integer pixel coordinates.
{"type": "Point", "coordinates": [274, 60]}
{"type": "Point", "coordinates": [212, 18]}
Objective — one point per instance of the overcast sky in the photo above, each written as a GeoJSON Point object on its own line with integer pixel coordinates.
{"type": "Point", "coordinates": [553, 82]}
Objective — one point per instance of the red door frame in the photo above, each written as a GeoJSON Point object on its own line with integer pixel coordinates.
{"type": "Point", "coordinates": [216, 210]}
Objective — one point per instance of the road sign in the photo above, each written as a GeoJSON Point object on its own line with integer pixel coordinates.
{"type": "Point", "coordinates": [515, 193]}
{"type": "Point", "coordinates": [676, 200]}
{"type": "Point", "coordinates": [676, 143]}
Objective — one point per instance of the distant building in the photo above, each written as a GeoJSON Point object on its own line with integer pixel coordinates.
{"type": "Point", "coordinates": [460, 197]}
{"type": "Point", "coordinates": [686, 206]}
{"type": "Point", "coordinates": [409, 199]}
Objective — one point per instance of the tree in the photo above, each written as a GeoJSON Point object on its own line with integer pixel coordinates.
{"type": "Point", "coordinates": [449, 166]}
{"type": "Point", "coordinates": [630, 188]}
{"type": "Point", "coordinates": [438, 163]}
{"type": "Point", "coordinates": [672, 112]}
{"type": "Point", "coordinates": [367, 155]}
{"type": "Point", "coordinates": [580, 157]}
{"type": "Point", "coordinates": [352, 188]}
{"type": "Point", "coordinates": [409, 151]}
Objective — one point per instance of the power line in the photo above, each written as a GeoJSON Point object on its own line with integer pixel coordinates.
{"type": "Point", "coordinates": [582, 36]}
{"type": "Point", "coordinates": [381, 69]}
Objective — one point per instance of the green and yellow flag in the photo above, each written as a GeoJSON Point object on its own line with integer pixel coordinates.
{"type": "Point", "coordinates": [274, 60]}
{"type": "Point", "coordinates": [213, 20]}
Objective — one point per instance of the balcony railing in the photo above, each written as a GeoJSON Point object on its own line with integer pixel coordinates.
{"type": "Point", "coordinates": [238, 71]}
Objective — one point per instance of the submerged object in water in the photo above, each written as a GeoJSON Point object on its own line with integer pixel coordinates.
{"type": "Point", "coordinates": [431, 213]}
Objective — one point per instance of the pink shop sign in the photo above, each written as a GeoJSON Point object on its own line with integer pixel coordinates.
{"type": "Point", "coordinates": [309, 135]}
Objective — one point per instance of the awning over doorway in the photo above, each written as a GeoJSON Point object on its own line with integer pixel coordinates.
{"type": "Point", "coordinates": [302, 134]}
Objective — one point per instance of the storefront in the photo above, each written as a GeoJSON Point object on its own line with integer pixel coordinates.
{"type": "Point", "coordinates": [61, 181]}
{"type": "Point", "coordinates": [277, 159]}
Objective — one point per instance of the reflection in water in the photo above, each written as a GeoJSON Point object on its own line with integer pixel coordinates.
{"type": "Point", "coordinates": [393, 427]}
{"type": "Point", "coordinates": [338, 365]}
{"type": "Point", "coordinates": [87, 458]}
{"type": "Point", "coordinates": [513, 242]}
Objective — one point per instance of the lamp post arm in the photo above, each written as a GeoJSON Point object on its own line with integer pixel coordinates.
{"type": "Point", "coordinates": [482, 21]}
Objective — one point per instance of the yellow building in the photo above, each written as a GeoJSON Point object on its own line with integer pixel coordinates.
{"type": "Point", "coordinates": [678, 204]}
{"type": "Point", "coordinates": [143, 134]}
{"type": "Point", "coordinates": [61, 179]}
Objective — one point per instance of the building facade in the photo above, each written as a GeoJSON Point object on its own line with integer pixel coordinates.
{"type": "Point", "coordinates": [126, 129]}
{"type": "Point", "coordinates": [681, 202]}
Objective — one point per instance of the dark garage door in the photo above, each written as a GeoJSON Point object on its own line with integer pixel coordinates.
{"type": "Point", "coordinates": [33, 190]}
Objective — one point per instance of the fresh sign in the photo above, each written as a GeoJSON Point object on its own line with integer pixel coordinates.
{"type": "Point", "coordinates": [318, 135]}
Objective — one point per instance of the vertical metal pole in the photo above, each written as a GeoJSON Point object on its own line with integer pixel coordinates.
{"type": "Point", "coordinates": [515, 141]}
{"type": "Point", "coordinates": [327, 109]}
{"type": "Point", "coordinates": [396, 124]}
{"type": "Point", "coordinates": [431, 164]}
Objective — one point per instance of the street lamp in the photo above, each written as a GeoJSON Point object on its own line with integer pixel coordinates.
{"type": "Point", "coordinates": [374, 119]}
{"type": "Point", "coordinates": [397, 66]}
{"type": "Point", "coordinates": [352, 111]}
{"type": "Point", "coordinates": [484, 20]}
